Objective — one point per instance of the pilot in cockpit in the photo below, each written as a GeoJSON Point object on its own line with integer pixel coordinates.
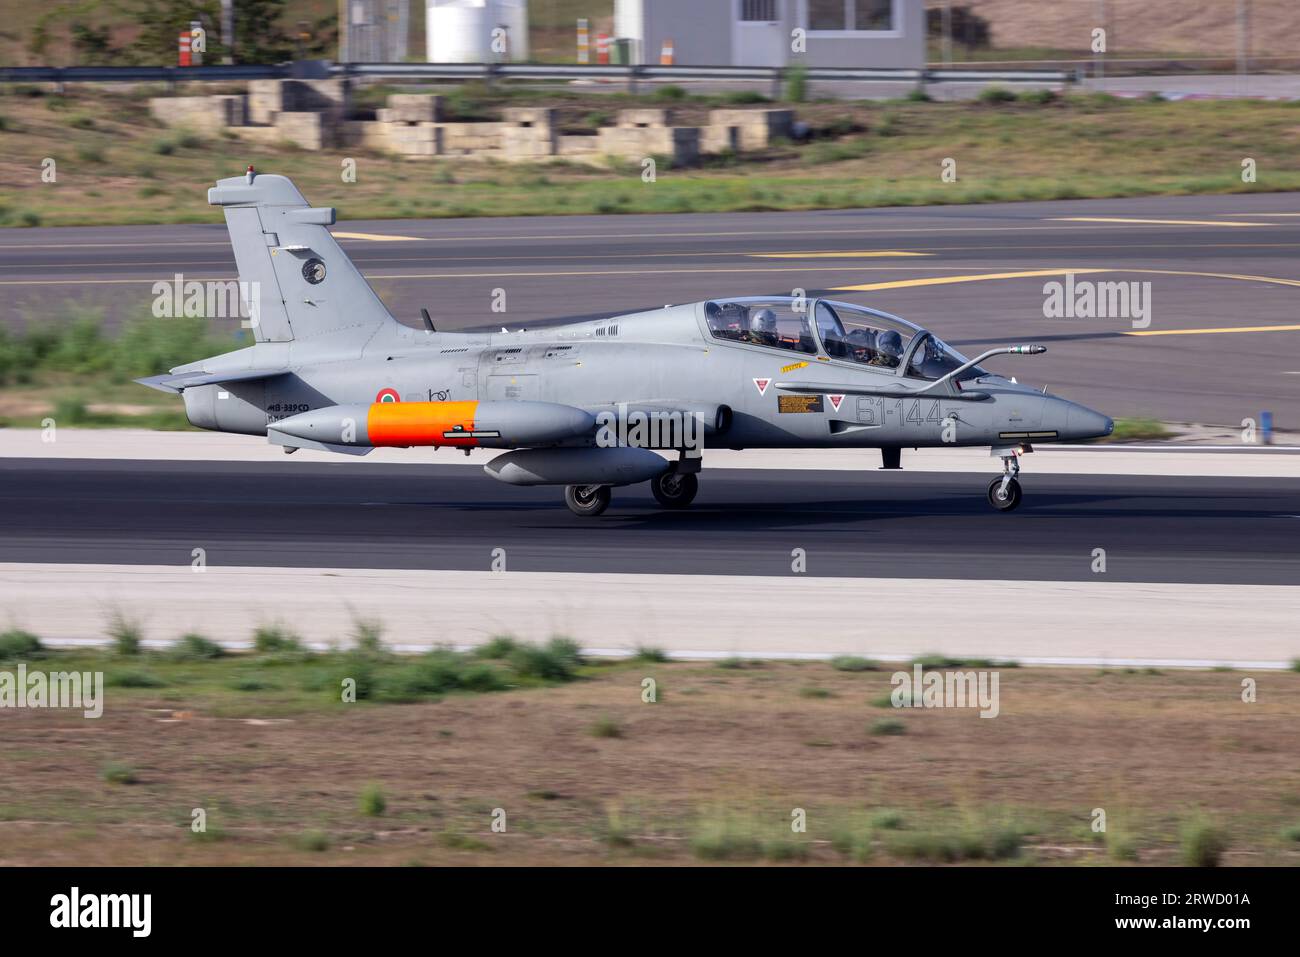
{"type": "Point", "coordinates": [888, 350]}
{"type": "Point", "coordinates": [762, 327]}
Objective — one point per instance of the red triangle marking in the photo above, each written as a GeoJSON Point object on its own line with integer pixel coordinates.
{"type": "Point", "coordinates": [835, 401]}
{"type": "Point", "coordinates": [761, 385]}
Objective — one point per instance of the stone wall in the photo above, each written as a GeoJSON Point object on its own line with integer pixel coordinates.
{"type": "Point", "coordinates": [313, 115]}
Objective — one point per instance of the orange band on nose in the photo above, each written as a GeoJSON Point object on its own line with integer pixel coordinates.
{"type": "Point", "coordinates": [420, 423]}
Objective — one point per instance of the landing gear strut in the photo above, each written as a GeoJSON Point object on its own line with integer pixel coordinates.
{"type": "Point", "coordinates": [1004, 492]}
{"type": "Point", "coordinates": [587, 500]}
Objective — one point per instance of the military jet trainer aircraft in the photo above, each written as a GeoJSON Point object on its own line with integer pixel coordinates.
{"type": "Point", "coordinates": [587, 405]}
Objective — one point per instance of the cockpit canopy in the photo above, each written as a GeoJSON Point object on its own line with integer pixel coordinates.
{"type": "Point", "coordinates": [836, 331]}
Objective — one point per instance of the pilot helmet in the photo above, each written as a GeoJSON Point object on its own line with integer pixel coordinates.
{"type": "Point", "coordinates": [890, 343]}
{"type": "Point", "coordinates": [763, 321]}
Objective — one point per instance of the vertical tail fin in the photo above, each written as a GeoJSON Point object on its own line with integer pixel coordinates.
{"type": "Point", "coordinates": [298, 282]}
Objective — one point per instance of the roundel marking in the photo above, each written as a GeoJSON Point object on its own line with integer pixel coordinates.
{"type": "Point", "coordinates": [388, 395]}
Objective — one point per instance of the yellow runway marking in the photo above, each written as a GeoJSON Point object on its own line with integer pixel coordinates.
{"type": "Point", "coordinates": [1207, 332]}
{"type": "Point", "coordinates": [377, 237]}
{"type": "Point", "coordinates": [866, 254]}
{"type": "Point", "coordinates": [1151, 222]}
{"type": "Point", "coordinates": [945, 280]}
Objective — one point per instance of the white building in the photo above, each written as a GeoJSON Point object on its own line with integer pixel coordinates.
{"type": "Point", "coordinates": [844, 33]}
{"type": "Point", "coordinates": [476, 31]}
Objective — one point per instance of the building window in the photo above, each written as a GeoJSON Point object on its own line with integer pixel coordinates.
{"type": "Point", "coordinates": [758, 10]}
{"type": "Point", "coordinates": [857, 15]}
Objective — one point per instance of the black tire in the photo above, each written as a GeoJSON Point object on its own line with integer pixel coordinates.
{"type": "Point", "coordinates": [1004, 502]}
{"type": "Point", "coordinates": [675, 489]}
{"type": "Point", "coordinates": [587, 500]}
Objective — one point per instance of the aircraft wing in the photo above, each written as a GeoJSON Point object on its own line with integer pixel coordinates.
{"type": "Point", "coordinates": [179, 381]}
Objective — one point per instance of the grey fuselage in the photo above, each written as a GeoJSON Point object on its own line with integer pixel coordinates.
{"type": "Point", "coordinates": [667, 357]}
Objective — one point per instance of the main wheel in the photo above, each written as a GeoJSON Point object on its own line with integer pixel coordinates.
{"type": "Point", "coordinates": [675, 489]}
{"type": "Point", "coordinates": [587, 500]}
{"type": "Point", "coordinates": [1004, 501]}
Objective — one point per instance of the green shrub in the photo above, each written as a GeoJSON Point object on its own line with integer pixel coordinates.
{"type": "Point", "coordinates": [126, 636]}
{"type": "Point", "coordinates": [746, 98]}
{"type": "Point", "coordinates": [887, 820]}
{"type": "Point", "coordinates": [163, 146]}
{"type": "Point", "coordinates": [606, 727]}
{"type": "Point", "coordinates": [812, 692]}
{"type": "Point", "coordinates": [368, 638]}
{"type": "Point", "coordinates": [652, 655]}
{"type": "Point", "coordinates": [670, 92]}
{"type": "Point", "coordinates": [996, 94]}
{"type": "Point", "coordinates": [194, 647]}
{"type": "Point", "coordinates": [557, 661]}
{"type": "Point", "coordinates": [725, 840]}
{"type": "Point", "coordinates": [251, 683]}
{"type": "Point", "coordinates": [1202, 843]}
{"type": "Point", "coordinates": [81, 122]}
{"type": "Point", "coordinates": [130, 678]}
{"type": "Point", "coordinates": [888, 726]}
{"type": "Point", "coordinates": [498, 646]}
{"type": "Point", "coordinates": [16, 643]}
{"type": "Point", "coordinates": [117, 773]}
{"type": "Point", "coordinates": [274, 639]}
{"type": "Point", "coordinates": [796, 83]}
{"type": "Point", "coordinates": [314, 841]}
{"type": "Point", "coordinates": [1038, 97]}
{"type": "Point", "coordinates": [372, 802]}
{"type": "Point", "coordinates": [852, 663]}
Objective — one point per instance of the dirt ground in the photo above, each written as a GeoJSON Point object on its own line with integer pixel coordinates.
{"type": "Point", "coordinates": [588, 773]}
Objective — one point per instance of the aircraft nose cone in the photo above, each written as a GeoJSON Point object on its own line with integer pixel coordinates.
{"type": "Point", "coordinates": [1083, 423]}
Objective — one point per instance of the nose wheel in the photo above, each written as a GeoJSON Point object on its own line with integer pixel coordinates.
{"type": "Point", "coordinates": [587, 500]}
{"type": "Point", "coordinates": [1004, 492]}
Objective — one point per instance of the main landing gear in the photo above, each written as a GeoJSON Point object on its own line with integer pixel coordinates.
{"type": "Point", "coordinates": [587, 500]}
{"type": "Point", "coordinates": [1004, 492]}
{"type": "Point", "coordinates": [674, 488]}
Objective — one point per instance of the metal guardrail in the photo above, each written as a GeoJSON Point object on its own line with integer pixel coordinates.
{"type": "Point", "coordinates": [630, 75]}
{"type": "Point", "coordinates": [141, 74]}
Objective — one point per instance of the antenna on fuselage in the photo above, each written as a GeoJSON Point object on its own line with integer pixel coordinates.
{"type": "Point", "coordinates": [428, 323]}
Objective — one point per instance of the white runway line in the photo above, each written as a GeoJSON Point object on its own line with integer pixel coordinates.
{"type": "Point", "coordinates": [141, 444]}
{"type": "Point", "coordinates": [689, 616]}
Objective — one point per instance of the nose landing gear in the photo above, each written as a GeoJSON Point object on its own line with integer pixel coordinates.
{"type": "Point", "coordinates": [1004, 492]}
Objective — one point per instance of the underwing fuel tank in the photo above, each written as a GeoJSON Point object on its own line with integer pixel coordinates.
{"type": "Point", "coordinates": [615, 465]}
{"type": "Point", "coordinates": [493, 425]}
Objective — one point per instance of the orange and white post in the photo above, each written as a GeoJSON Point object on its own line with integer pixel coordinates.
{"type": "Point", "coordinates": [183, 49]}
{"type": "Point", "coordinates": [666, 53]}
{"type": "Point", "coordinates": [602, 48]}
{"type": "Point", "coordinates": [584, 41]}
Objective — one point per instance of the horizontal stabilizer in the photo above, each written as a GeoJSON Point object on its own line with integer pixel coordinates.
{"type": "Point", "coordinates": [179, 381]}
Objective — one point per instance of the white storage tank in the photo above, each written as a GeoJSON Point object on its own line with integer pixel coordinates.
{"type": "Point", "coordinates": [461, 31]}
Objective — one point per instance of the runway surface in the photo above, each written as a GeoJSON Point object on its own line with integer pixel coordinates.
{"type": "Point", "coordinates": [746, 522]}
{"type": "Point", "coordinates": [1218, 266]}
